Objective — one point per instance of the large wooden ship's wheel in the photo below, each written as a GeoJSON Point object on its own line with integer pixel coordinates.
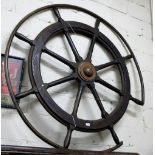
{"type": "Point", "coordinates": [83, 71]}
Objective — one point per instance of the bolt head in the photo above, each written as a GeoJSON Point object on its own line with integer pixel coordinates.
{"type": "Point", "coordinates": [88, 71]}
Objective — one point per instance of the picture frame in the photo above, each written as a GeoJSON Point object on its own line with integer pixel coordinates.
{"type": "Point", "coordinates": [16, 69]}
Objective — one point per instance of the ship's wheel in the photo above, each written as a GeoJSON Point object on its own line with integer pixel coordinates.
{"type": "Point", "coordinates": [83, 71]}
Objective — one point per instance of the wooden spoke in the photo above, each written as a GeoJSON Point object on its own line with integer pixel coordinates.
{"type": "Point", "coordinates": [114, 135]}
{"type": "Point", "coordinates": [128, 57]}
{"type": "Point", "coordinates": [24, 38]}
{"type": "Point", "coordinates": [99, 67]}
{"type": "Point", "coordinates": [106, 84]}
{"type": "Point", "coordinates": [77, 101]}
{"type": "Point", "coordinates": [68, 137]}
{"type": "Point", "coordinates": [26, 93]}
{"type": "Point", "coordinates": [104, 114]}
{"type": "Point", "coordinates": [60, 58]}
{"type": "Point", "coordinates": [89, 55]}
{"type": "Point", "coordinates": [136, 100]}
{"type": "Point", "coordinates": [69, 39]}
{"type": "Point", "coordinates": [116, 61]}
{"type": "Point", "coordinates": [60, 81]}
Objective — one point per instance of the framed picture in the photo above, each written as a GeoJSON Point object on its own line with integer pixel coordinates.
{"type": "Point", "coordinates": [16, 68]}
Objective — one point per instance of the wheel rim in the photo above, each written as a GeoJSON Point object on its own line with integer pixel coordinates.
{"type": "Point", "coordinates": [61, 115]}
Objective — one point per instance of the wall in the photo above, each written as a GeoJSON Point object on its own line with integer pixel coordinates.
{"type": "Point", "coordinates": [133, 20]}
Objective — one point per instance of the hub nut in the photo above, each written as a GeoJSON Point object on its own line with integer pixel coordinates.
{"type": "Point", "coordinates": [87, 71]}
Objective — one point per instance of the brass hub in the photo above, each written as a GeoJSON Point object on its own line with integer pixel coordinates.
{"type": "Point", "coordinates": [86, 71]}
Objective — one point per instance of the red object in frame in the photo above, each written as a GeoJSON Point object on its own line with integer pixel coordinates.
{"type": "Point", "coordinates": [16, 71]}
